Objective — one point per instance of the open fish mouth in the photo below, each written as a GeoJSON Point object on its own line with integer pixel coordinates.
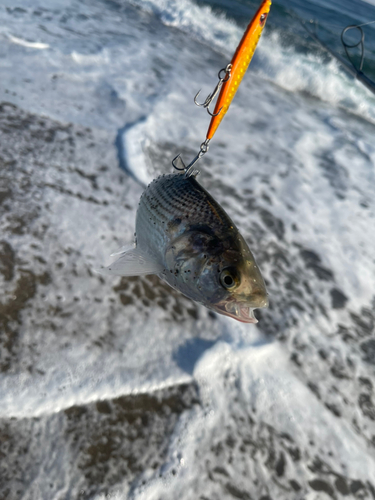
{"type": "Point", "coordinates": [237, 311]}
{"type": "Point", "coordinates": [247, 315]}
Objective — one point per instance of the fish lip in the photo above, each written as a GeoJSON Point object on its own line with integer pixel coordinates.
{"type": "Point", "coordinates": [237, 310]}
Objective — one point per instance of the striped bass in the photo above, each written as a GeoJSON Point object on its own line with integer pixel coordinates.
{"type": "Point", "coordinates": [186, 238]}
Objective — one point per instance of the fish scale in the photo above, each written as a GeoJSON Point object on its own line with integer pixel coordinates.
{"type": "Point", "coordinates": [170, 198]}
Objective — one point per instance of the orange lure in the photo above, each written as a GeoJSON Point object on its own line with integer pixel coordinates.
{"type": "Point", "coordinates": [239, 65]}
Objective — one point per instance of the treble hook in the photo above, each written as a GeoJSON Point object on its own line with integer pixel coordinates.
{"type": "Point", "coordinates": [212, 96]}
{"type": "Point", "coordinates": [179, 164]}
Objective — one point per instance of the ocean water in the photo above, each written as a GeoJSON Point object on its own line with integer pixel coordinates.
{"type": "Point", "coordinates": [286, 407]}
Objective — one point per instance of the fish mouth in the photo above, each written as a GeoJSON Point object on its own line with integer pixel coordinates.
{"type": "Point", "coordinates": [238, 311]}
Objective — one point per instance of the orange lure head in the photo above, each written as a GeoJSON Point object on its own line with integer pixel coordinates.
{"type": "Point", "coordinates": [240, 62]}
{"type": "Point", "coordinates": [263, 12]}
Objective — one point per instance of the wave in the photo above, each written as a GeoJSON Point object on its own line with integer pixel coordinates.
{"type": "Point", "coordinates": [198, 22]}
{"type": "Point", "coordinates": [282, 65]}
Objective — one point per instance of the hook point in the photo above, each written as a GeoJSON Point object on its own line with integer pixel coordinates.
{"type": "Point", "coordinates": [195, 98]}
{"type": "Point", "coordinates": [214, 114]}
{"type": "Point", "coordinates": [178, 163]}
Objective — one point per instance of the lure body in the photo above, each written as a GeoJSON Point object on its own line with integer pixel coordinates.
{"type": "Point", "coordinates": [240, 62]}
{"type": "Point", "coordinates": [185, 237]}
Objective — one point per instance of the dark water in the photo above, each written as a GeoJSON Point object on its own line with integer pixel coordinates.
{"type": "Point", "coordinates": [326, 19]}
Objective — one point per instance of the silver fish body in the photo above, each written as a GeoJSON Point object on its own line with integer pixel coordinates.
{"type": "Point", "coordinates": [185, 237]}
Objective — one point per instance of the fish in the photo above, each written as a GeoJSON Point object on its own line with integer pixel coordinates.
{"type": "Point", "coordinates": [187, 239]}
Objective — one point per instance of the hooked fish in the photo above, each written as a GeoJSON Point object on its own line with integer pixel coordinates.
{"type": "Point", "coordinates": [186, 238]}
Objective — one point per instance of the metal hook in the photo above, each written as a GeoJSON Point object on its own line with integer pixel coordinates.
{"type": "Point", "coordinates": [178, 163]}
{"type": "Point", "coordinates": [207, 102]}
{"type": "Point", "coordinates": [212, 96]}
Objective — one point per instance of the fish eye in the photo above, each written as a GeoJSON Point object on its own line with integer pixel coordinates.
{"type": "Point", "coordinates": [263, 19]}
{"type": "Point", "coordinates": [228, 280]}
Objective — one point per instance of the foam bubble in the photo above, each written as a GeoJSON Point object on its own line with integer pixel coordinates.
{"type": "Point", "coordinates": [25, 43]}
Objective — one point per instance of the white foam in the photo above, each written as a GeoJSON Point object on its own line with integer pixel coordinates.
{"type": "Point", "coordinates": [257, 381]}
{"type": "Point", "coordinates": [135, 143]}
{"type": "Point", "coordinates": [100, 58]}
{"type": "Point", "coordinates": [197, 21]}
{"type": "Point", "coordinates": [26, 43]}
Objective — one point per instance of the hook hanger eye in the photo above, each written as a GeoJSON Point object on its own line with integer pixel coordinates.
{"type": "Point", "coordinates": [361, 43]}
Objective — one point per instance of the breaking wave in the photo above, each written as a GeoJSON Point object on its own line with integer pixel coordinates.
{"type": "Point", "coordinates": [289, 69]}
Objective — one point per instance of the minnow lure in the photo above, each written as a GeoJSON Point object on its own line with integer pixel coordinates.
{"type": "Point", "coordinates": [229, 81]}
{"type": "Point", "coordinates": [237, 68]}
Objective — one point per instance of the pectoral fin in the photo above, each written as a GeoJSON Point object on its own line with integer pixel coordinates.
{"type": "Point", "coordinates": [134, 262]}
{"type": "Point", "coordinates": [123, 249]}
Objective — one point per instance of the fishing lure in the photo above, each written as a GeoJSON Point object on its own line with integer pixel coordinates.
{"type": "Point", "coordinates": [235, 71]}
{"type": "Point", "coordinates": [230, 78]}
